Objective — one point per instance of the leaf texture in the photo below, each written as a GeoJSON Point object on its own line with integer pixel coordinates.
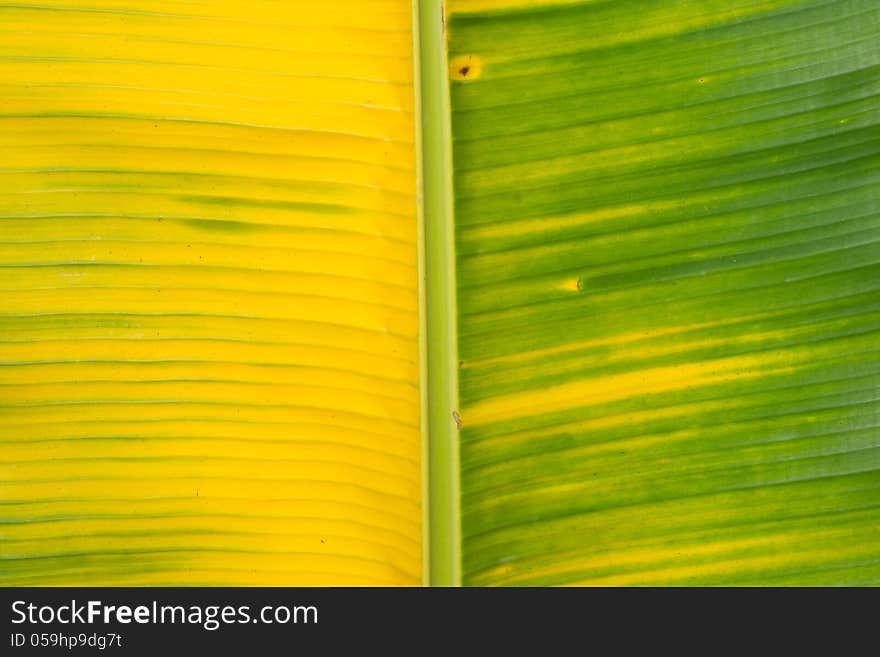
{"type": "Point", "coordinates": [669, 290]}
{"type": "Point", "coordinates": [209, 307]}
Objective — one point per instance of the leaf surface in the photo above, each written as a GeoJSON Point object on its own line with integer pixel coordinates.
{"type": "Point", "coordinates": [668, 255]}
{"type": "Point", "coordinates": [209, 315]}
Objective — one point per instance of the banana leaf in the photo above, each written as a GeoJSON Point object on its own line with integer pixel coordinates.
{"type": "Point", "coordinates": [483, 292]}
{"type": "Point", "coordinates": [668, 279]}
{"type": "Point", "coordinates": [209, 315]}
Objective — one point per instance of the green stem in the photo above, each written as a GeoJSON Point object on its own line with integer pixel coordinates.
{"type": "Point", "coordinates": [441, 519]}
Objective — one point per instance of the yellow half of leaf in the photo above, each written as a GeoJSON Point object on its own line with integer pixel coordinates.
{"type": "Point", "coordinates": [209, 304]}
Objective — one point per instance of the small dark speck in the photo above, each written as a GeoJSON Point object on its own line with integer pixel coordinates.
{"type": "Point", "coordinates": [464, 70]}
{"type": "Point", "coordinates": [461, 363]}
{"type": "Point", "coordinates": [322, 540]}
